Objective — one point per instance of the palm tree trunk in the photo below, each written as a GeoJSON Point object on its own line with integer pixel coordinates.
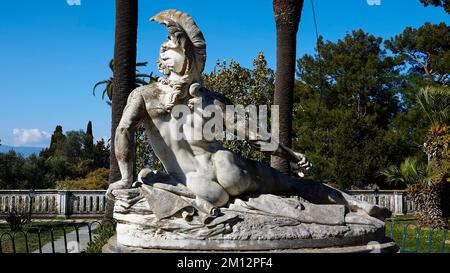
{"type": "Point", "coordinates": [429, 202]}
{"type": "Point", "coordinates": [287, 18]}
{"type": "Point", "coordinates": [124, 75]}
{"type": "Point", "coordinates": [433, 200]}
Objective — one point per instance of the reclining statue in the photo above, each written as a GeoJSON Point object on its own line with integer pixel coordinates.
{"type": "Point", "coordinates": [210, 173]}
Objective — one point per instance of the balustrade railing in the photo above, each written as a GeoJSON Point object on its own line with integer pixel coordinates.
{"type": "Point", "coordinates": [91, 203]}
{"type": "Point", "coordinates": [54, 203]}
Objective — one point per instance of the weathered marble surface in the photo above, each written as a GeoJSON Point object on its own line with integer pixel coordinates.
{"type": "Point", "coordinates": [210, 197]}
{"type": "Point", "coordinates": [387, 246]}
{"type": "Point", "coordinates": [241, 225]}
{"type": "Point", "coordinates": [212, 173]}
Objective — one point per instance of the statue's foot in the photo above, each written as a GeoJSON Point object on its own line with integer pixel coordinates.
{"type": "Point", "coordinates": [362, 218]}
{"type": "Point", "coordinates": [378, 212]}
{"type": "Point", "coordinates": [116, 186]}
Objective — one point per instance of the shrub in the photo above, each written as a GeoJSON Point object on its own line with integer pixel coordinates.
{"type": "Point", "coordinates": [95, 180]}
{"type": "Point", "coordinates": [102, 236]}
{"type": "Point", "coordinates": [16, 220]}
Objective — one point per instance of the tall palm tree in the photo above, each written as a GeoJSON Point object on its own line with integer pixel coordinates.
{"type": "Point", "coordinates": [287, 15]}
{"type": "Point", "coordinates": [428, 184]}
{"type": "Point", "coordinates": [124, 75]}
{"type": "Point", "coordinates": [109, 83]}
{"type": "Point", "coordinates": [423, 187]}
{"type": "Point", "coordinates": [435, 104]}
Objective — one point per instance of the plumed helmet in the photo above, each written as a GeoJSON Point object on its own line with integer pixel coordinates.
{"type": "Point", "coordinates": [182, 27]}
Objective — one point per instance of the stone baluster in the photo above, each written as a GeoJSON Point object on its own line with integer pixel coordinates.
{"type": "Point", "coordinates": [398, 199]}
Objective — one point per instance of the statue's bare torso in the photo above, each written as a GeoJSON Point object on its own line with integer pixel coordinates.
{"type": "Point", "coordinates": [209, 170]}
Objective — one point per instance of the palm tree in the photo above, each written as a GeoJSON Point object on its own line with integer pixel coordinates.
{"type": "Point", "coordinates": [435, 104]}
{"type": "Point", "coordinates": [124, 77]}
{"type": "Point", "coordinates": [420, 178]}
{"type": "Point", "coordinates": [287, 15]}
{"type": "Point", "coordinates": [109, 83]}
{"type": "Point", "coordinates": [428, 184]}
{"type": "Point", "coordinates": [411, 172]}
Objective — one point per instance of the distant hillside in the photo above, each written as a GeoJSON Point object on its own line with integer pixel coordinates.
{"type": "Point", "coordinates": [25, 151]}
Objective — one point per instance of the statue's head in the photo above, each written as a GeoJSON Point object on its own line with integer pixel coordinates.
{"type": "Point", "coordinates": [184, 51]}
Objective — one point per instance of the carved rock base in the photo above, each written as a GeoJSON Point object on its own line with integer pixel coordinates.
{"type": "Point", "coordinates": [386, 246]}
{"type": "Point", "coordinates": [138, 228]}
{"type": "Point", "coordinates": [298, 237]}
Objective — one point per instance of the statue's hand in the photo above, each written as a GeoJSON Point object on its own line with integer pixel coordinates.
{"type": "Point", "coordinates": [194, 91]}
{"type": "Point", "coordinates": [302, 166]}
{"type": "Point", "coordinates": [121, 184]}
{"type": "Point", "coordinates": [193, 102]}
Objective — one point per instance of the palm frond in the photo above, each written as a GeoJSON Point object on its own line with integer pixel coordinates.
{"type": "Point", "coordinates": [111, 65]}
{"type": "Point", "coordinates": [98, 84]}
{"type": "Point", "coordinates": [140, 82]}
{"type": "Point", "coordinates": [393, 175]}
{"type": "Point", "coordinates": [108, 90]}
{"type": "Point", "coordinates": [141, 64]}
{"type": "Point", "coordinates": [104, 92]}
{"type": "Point", "coordinates": [143, 76]}
{"type": "Point", "coordinates": [435, 103]}
{"type": "Point", "coordinates": [411, 172]}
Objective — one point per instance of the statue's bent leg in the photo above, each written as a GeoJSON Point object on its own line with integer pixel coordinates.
{"type": "Point", "coordinates": [208, 192]}
{"type": "Point", "coordinates": [268, 180]}
{"type": "Point", "coordinates": [234, 179]}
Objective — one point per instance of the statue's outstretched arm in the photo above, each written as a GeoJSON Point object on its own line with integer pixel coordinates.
{"type": "Point", "coordinates": [255, 137]}
{"type": "Point", "coordinates": [133, 113]}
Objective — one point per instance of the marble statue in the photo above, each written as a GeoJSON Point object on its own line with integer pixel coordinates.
{"type": "Point", "coordinates": [208, 191]}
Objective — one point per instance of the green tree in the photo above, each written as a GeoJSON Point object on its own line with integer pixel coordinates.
{"type": "Point", "coordinates": [56, 140]}
{"type": "Point", "coordinates": [344, 105]}
{"type": "Point", "coordinates": [145, 157]}
{"type": "Point", "coordinates": [101, 154]}
{"type": "Point", "coordinates": [287, 15]}
{"type": "Point", "coordinates": [428, 183]}
{"type": "Point", "coordinates": [34, 173]}
{"type": "Point", "coordinates": [437, 3]}
{"type": "Point", "coordinates": [426, 50]}
{"type": "Point", "coordinates": [243, 86]}
{"type": "Point", "coordinates": [88, 143]}
{"type": "Point", "coordinates": [11, 175]}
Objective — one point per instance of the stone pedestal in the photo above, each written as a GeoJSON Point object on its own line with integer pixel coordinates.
{"type": "Point", "coordinates": [388, 246]}
{"type": "Point", "coordinates": [240, 228]}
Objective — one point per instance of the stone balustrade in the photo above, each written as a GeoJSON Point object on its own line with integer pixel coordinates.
{"type": "Point", "coordinates": [395, 200]}
{"type": "Point", "coordinates": [54, 203]}
{"type": "Point", "coordinates": [91, 203]}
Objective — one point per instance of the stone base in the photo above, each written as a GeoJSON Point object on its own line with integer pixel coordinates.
{"type": "Point", "coordinates": [261, 223]}
{"type": "Point", "coordinates": [385, 246]}
{"type": "Point", "coordinates": [251, 238]}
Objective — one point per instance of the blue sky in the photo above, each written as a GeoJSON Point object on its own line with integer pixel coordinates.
{"type": "Point", "coordinates": [53, 53]}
